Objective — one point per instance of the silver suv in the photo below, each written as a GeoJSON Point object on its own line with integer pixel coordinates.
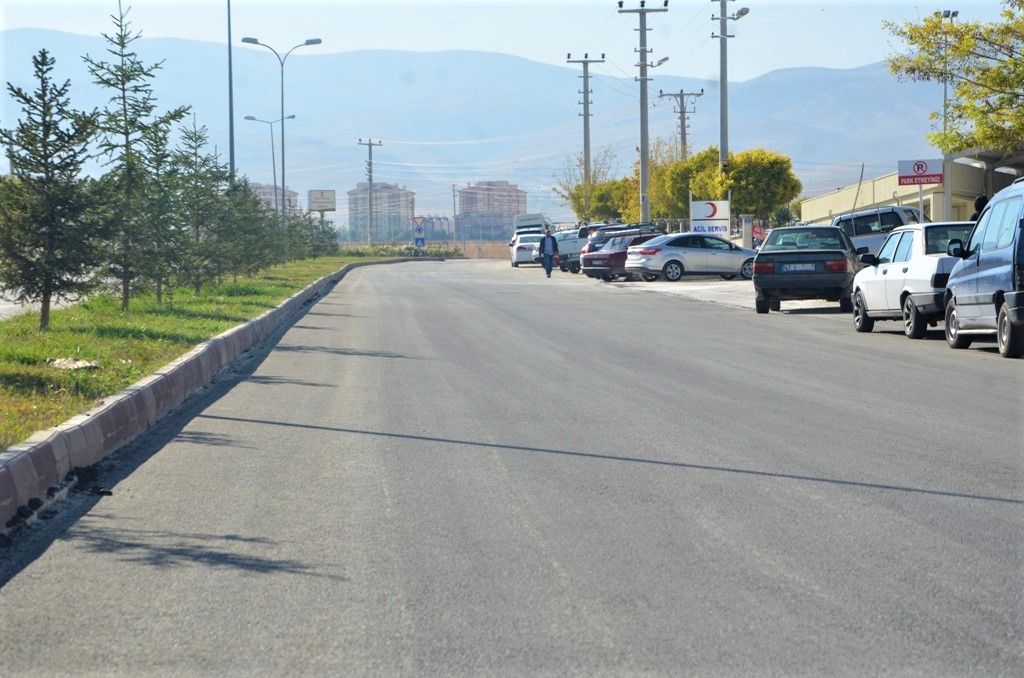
{"type": "Point", "coordinates": [869, 228]}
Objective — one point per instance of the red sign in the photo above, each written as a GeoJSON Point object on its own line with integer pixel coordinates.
{"type": "Point", "coordinates": [920, 172]}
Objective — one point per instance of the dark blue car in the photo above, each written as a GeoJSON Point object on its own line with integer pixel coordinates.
{"type": "Point", "coordinates": [985, 290]}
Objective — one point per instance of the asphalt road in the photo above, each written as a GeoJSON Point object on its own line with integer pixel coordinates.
{"type": "Point", "coordinates": [459, 468]}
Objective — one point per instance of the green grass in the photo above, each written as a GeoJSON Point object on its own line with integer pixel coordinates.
{"type": "Point", "coordinates": [128, 345]}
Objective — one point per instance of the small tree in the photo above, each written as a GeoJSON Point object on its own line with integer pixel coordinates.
{"type": "Point", "coordinates": [50, 221]}
{"type": "Point", "coordinates": [573, 188]}
{"type": "Point", "coordinates": [983, 64]}
{"type": "Point", "coordinates": [124, 124]}
{"type": "Point", "coordinates": [762, 182]}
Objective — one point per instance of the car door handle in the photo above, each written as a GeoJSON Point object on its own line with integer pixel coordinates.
{"type": "Point", "coordinates": [906, 269]}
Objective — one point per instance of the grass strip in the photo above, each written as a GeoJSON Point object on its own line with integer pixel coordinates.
{"type": "Point", "coordinates": [126, 345]}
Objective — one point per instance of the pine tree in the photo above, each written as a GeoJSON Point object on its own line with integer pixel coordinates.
{"type": "Point", "coordinates": [130, 115]}
{"type": "Point", "coordinates": [50, 220]}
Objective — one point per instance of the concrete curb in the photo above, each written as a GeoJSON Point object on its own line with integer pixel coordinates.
{"type": "Point", "coordinates": [33, 470]}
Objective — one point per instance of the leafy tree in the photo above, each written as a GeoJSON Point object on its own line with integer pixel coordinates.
{"type": "Point", "coordinates": [984, 66]}
{"type": "Point", "coordinates": [50, 219]}
{"type": "Point", "coordinates": [681, 177]}
{"type": "Point", "coordinates": [663, 157]}
{"type": "Point", "coordinates": [611, 200]}
{"type": "Point", "coordinates": [124, 124]}
{"type": "Point", "coordinates": [762, 182]}
{"type": "Point", "coordinates": [573, 188]}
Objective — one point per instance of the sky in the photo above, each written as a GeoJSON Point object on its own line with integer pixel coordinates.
{"type": "Point", "coordinates": [774, 34]}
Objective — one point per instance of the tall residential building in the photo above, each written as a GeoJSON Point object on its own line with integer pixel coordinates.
{"type": "Point", "coordinates": [488, 209]}
{"type": "Point", "coordinates": [393, 209]}
{"type": "Point", "coordinates": [271, 197]}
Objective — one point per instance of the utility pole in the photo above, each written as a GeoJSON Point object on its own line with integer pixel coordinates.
{"type": "Point", "coordinates": [369, 143]}
{"type": "Point", "coordinates": [723, 55]}
{"type": "Point", "coordinates": [681, 100]}
{"type": "Point", "coordinates": [645, 207]}
{"type": "Point", "coordinates": [586, 61]}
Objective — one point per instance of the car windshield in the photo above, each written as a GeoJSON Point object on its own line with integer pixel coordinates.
{"type": "Point", "coordinates": [937, 237]}
{"type": "Point", "coordinates": [803, 239]}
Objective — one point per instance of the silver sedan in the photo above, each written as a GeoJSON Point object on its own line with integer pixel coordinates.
{"type": "Point", "coordinates": [672, 256]}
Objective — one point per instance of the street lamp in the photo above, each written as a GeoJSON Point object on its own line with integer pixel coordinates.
{"type": "Point", "coordinates": [645, 207]}
{"type": "Point", "coordinates": [723, 18]}
{"type": "Point", "coordinates": [273, 163]}
{"type": "Point", "coordinates": [281, 60]}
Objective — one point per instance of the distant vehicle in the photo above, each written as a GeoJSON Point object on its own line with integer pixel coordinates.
{"type": "Point", "coordinates": [521, 248]}
{"type": "Point", "coordinates": [672, 256]}
{"type": "Point", "coordinates": [805, 262]}
{"type": "Point", "coordinates": [868, 228]}
{"type": "Point", "coordinates": [906, 280]}
{"type": "Point", "coordinates": [529, 223]}
{"type": "Point", "coordinates": [609, 262]}
{"type": "Point", "coordinates": [985, 290]}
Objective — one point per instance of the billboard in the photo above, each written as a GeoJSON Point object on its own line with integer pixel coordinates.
{"type": "Point", "coordinates": [710, 216]}
{"type": "Point", "coordinates": [321, 201]}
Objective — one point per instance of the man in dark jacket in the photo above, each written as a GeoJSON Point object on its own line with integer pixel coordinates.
{"type": "Point", "coordinates": [548, 249]}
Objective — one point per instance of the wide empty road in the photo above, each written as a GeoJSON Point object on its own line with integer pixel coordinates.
{"type": "Point", "coordinates": [458, 468]}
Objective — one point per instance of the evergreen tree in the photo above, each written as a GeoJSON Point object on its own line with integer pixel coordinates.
{"type": "Point", "coordinates": [124, 124]}
{"type": "Point", "coordinates": [50, 220]}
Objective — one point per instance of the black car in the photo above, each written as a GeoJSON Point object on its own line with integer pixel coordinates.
{"type": "Point", "coordinates": [805, 262]}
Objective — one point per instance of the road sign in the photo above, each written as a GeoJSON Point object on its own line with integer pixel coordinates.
{"type": "Point", "coordinates": [920, 172]}
{"type": "Point", "coordinates": [421, 242]}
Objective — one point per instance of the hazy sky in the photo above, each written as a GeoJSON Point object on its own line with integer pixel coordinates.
{"type": "Point", "coordinates": [775, 34]}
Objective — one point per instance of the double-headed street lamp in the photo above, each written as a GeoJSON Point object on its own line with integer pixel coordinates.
{"type": "Point", "coordinates": [273, 163]}
{"type": "Point", "coordinates": [281, 60]}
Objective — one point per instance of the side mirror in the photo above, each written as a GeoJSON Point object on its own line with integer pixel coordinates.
{"type": "Point", "coordinates": [955, 248]}
{"type": "Point", "coordinates": [868, 259]}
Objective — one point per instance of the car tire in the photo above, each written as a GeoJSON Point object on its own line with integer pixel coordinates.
{"type": "Point", "coordinates": [728, 276]}
{"type": "Point", "coordinates": [515, 265]}
{"type": "Point", "coordinates": [673, 271]}
{"type": "Point", "coordinates": [845, 304]}
{"type": "Point", "coordinates": [761, 305]}
{"type": "Point", "coordinates": [1009, 336]}
{"type": "Point", "coordinates": [650, 277]}
{"type": "Point", "coordinates": [954, 337]}
{"type": "Point", "coordinates": [607, 277]}
{"type": "Point", "coordinates": [774, 304]}
{"type": "Point", "coordinates": [914, 324]}
{"type": "Point", "coordinates": [747, 271]}
{"type": "Point", "coordinates": [574, 268]}
{"type": "Point", "coordinates": [861, 321]}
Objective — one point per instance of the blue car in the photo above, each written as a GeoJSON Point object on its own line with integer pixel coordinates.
{"type": "Point", "coordinates": [985, 291]}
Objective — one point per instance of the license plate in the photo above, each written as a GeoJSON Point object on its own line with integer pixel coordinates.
{"type": "Point", "coordinates": [797, 267]}
{"type": "Point", "coordinates": [599, 262]}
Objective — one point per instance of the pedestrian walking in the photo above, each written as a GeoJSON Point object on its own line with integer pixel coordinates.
{"type": "Point", "coordinates": [548, 249]}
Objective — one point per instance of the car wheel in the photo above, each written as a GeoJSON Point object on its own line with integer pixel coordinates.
{"type": "Point", "coordinates": [761, 305]}
{"type": "Point", "coordinates": [954, 337]}
{"type": "Point", "coordinates": [607, 277]}
{"type": "Point", "coordinates": [515, 265]}
{"type": "Point", "coordinates": [650, 277]}
{"type": "Point", "coordinates": [1010, 336]}
{"type": "Point", "coordinates": [861, 321]}
{"type": "Point", "coordinates": [774, 304]}
{"type": "Point", "coordinates": [845, 304]}
{"type": "Point", "coordinates": [673, 271]}
{"type": "Point", "coordinates": [728, 276]}
{"type": "Point", "coordinates": [574, 269]}
{"type": "Point", "coordinates": [747, 272]}
{"type": "Point", "coordinates": [914, 324]}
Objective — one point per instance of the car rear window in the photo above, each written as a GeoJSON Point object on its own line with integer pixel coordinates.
{"type": "Point", "coordinates": [804, 239]}
{"type": "Point", "coordinates": [529, 238]}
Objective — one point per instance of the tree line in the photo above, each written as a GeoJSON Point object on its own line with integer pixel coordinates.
{"type": "Point", "coordinates": [162, 215]}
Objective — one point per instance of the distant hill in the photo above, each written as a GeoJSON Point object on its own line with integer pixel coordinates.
{"type": "Point", "coordinates": [458, 117]}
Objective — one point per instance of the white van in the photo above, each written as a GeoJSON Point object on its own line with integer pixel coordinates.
{"type": "Point", "coordinates": [529, 223]}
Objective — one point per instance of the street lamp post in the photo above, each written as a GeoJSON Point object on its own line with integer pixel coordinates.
{"type": "Point", "coordinates": [723, 18]}
{"type": "Point", "coordinates": [281, 60]}
{"type": "Point", "coordinates": [645, 207]}
{"type": "Point", "coordinates": [947, 164]}
{"type": "Point", "coordinates": [273, 163]}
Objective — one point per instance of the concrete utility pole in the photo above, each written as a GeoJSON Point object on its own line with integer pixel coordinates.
{"type": "Point", "coordinates": [369, 143]}
{"type": "Point", "coordinates": [681, 100]}
{"type": "Point", "coordinates": [723, 151]}
{"type": "Point", "coordinates": [645, 207]}
{"type": "Point", "coordinates": [586, 61]}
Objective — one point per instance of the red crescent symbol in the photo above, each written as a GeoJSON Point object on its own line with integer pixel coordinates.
{"type": "Point", "coordinates": [713, 211]}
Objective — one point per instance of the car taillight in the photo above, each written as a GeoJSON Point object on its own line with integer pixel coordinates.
{"type": "Point", "coordinates": [521, 248]}
{"type": "Point", "coordinates": [764, 267]}
{"type": "Point", "coordinates": [835, 266]}
{"type": "Point", "coordinates": [648, 251]}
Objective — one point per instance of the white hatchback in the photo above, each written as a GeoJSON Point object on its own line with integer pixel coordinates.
{"type": "Point", "coordinates": [907, 278]}
{"type": "Point", "coordinates": [521, 248]}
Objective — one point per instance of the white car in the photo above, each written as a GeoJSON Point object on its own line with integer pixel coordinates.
{"type": "Point", "coordinates": [907, 278]}
{"type": "Point", "coordinates": [522, 247]}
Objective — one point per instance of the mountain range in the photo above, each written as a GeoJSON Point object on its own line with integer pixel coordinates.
{"type": "Point", "coordinates": [450, 118]}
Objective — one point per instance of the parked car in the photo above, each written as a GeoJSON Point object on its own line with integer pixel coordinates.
{"type": "Point", "coordinates": [985, 290]}
{"type": "Point", "coordinates": [601, 233]}
{"type": "Point", "coordinates": [805, 262]}
{"type": "Point", "coordinates": [906, 280]}
{"type": "Point", "coordinates": [521, 248]}
{"type": "Point", "coordinates": [675, 255]}
{"type": "Point", "coordinates": [609, 262]}
{"type": "Point", "coordinates": [869, 228]}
